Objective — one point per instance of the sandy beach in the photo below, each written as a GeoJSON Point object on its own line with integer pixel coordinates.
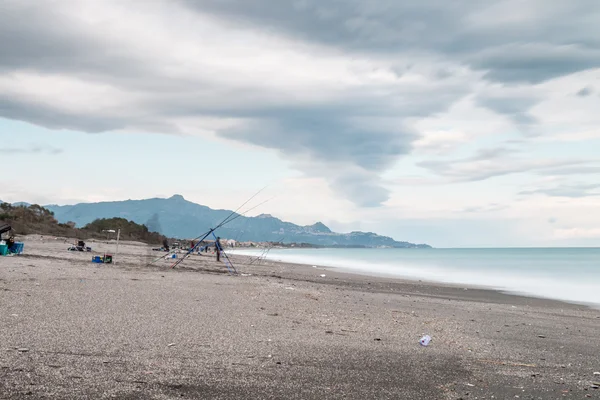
{"type": "Point", "coordinates": [71, 329]}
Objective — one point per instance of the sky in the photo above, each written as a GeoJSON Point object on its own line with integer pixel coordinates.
{"type": "Point", "coordinates": [458, 124]}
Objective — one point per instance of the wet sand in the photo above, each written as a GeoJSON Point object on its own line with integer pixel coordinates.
{"type": "Point", "coordinates": [70, 329]}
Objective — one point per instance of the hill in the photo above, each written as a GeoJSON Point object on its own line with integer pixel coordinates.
{"type": "Point", "coordinates": [37, 219]}
{"type": "Point", "coordinates": [179, 218]}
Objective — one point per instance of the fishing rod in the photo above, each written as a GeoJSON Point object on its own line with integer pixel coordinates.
{"type": "Point", "coordinates": [206, 234]}
{"type": "Point", "coordinates": [246, 212]}
{"type": "Point", "coordinates": [224, 222]}
{"type": "Point", "coordinates": [246, 202]}
{"type": "Point", "coordinates": [265, 252]}
{"type": "Point", "coordinates": [227, 220]}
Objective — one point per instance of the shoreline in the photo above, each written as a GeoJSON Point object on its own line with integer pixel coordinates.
{"type": "Point", "coordinates": [409, 280]}
{"type": "Point", "coordinates": [73, 329]}
{"type": "Point", "coordinates": [337, 275]}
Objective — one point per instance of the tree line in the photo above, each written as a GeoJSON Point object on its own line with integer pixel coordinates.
{"type": "Point", "coordinates": [35, 219]}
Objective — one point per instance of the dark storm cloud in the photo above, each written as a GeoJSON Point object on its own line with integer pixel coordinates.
{"type": "Point", "coordinates": [37, 36]}
{"type": "Point", "coordinates": [371, 149]}
{"type": "Point", "coordinates": [514, 107]}
{"type": "Point", "coordinates": [534, 63]}
{"type": "Point", "coordinates": [377, 26]}
{"type": "Point", "coordinates": [315, 136]}
{"type": "Point", "coordinates": [354, 136]}
{"type": "Point", "coordinates": [339, 134]}
{"type": "Point", "coordinates": [555, 39]}
{"type": "Point", "coordinates": [13, 108]}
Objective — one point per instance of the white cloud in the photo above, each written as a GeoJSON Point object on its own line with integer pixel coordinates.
{"type": "Point", "coordinates": [357, 97]}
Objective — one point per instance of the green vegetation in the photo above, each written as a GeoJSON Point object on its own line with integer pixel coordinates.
{"type": "Point", "coordinates": [36, 219]}
{"type": "Point", "coordinates": [129, 229]}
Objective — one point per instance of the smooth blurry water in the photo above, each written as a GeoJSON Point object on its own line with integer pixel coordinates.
{"type": "Point", "coordinates": [571, 274]}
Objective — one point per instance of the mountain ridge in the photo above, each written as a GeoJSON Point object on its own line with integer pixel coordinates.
{"type": "Point", "coordinates": [177, 217]}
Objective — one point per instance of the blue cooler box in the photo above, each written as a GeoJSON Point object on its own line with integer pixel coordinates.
{"type": "Point", "coordinates": [17, 248]}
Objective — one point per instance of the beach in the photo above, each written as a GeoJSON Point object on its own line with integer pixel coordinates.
{"type": "Point", "coordinates": [71, 329]}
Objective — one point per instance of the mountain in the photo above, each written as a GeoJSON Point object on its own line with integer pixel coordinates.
{"type": "Point", "coordinates": [179, 218]}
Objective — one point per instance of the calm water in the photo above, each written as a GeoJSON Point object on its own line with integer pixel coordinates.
{"type": "Point", "coordinates": [571, 274]}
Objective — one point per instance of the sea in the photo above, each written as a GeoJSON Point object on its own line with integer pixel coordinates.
{"type": "Point", "coordinates": [569, 274]}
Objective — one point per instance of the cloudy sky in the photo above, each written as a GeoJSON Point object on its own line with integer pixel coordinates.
{"type": "Point", "coordinates": [456, 123]}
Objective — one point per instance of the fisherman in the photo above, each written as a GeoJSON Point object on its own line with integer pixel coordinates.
{"type": "Point", "coordinates": [10, 242]}
{"type": "Point", "coordinates": [218, 248]}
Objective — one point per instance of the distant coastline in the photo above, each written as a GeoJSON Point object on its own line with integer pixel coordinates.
{"type": "Point", "coordinates": [296, 246]}
{"type": "Point", "coordinates": [178, 218]}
